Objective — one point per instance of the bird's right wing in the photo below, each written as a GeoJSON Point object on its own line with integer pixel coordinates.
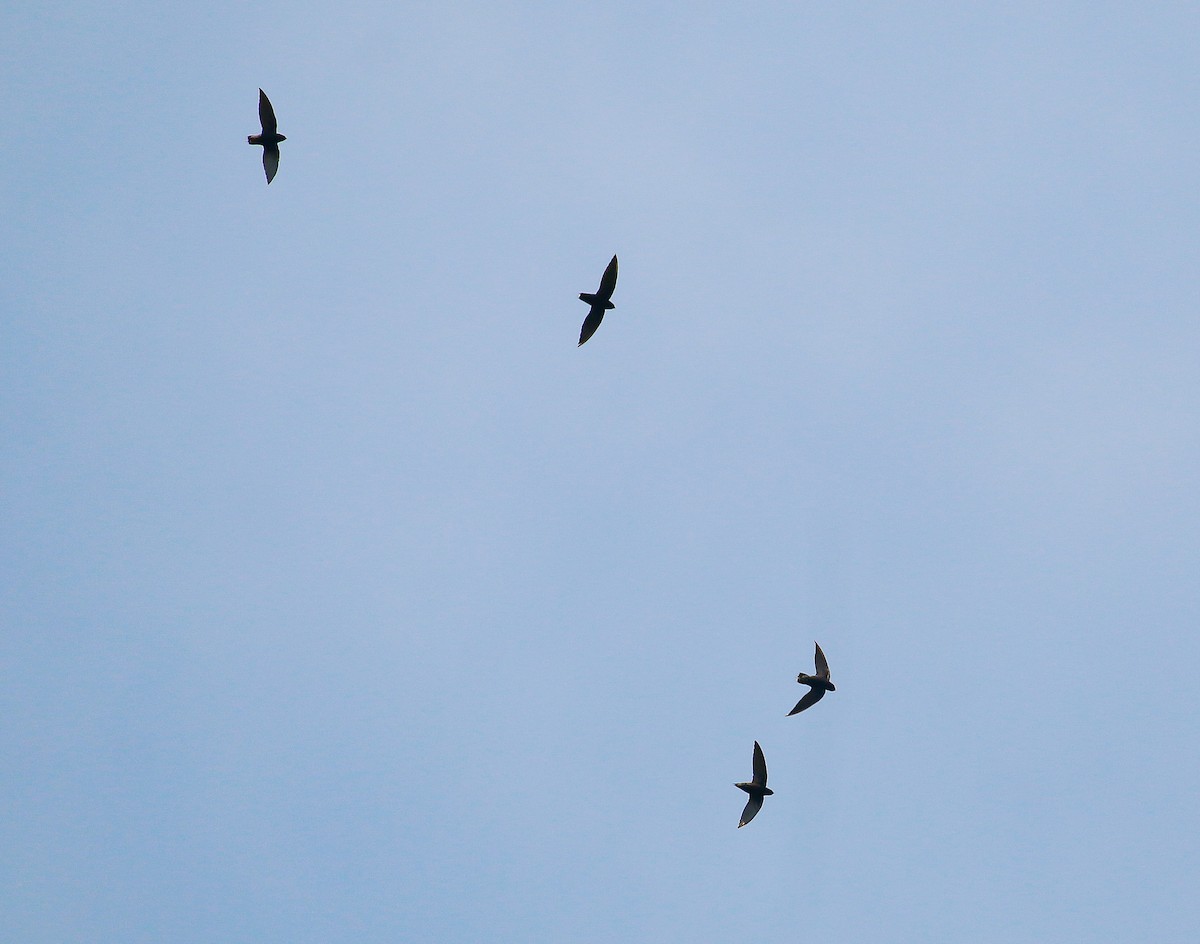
{"type": "Point", "coordinates": [753, 805]}
{"type": "Point", "coordinates": [594, 316]}
{"type": "Point", "coordinates": [814, 695]}
{"type": "Point", "coordinates": [608, 282]}
{"type": "Point", "coordinates": [271, 161]}
{"type": "Point", "coordinates": [266, 114]}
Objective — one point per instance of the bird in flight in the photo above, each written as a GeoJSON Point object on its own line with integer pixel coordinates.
{"type": "Point", "coordinates": [817, 684]}
{"type": "Point", "coordinates": [757, 788]}
{"type": "Point", "coordinates": [600, 302]}
{"type": "Point", "coordinates": [270, 137]}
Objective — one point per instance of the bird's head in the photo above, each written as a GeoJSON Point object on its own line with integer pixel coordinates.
{"type": "Point", "coordinates": [281, 137]}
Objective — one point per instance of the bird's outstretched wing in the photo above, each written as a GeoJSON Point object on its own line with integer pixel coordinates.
{"type": "Point", "coordinates": [271, 160]}
{"type": "Point", "coordinates": [814, 695]}
{"type": "Point", "coordinates": [753, 805]}
{"type": "Point", "coordinates": [266, 114]}
{"type": "Point", "coordinates": [822, 665]}
{"type": "Point", "coordinates": [760, 767]}
{"type": "Point", "coordinates": [594, 316]}
{"type": "Point", "coordinates": [608, 282]}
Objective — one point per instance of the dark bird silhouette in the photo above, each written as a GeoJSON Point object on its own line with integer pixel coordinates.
{"type": "Point", "coordinates": [817, 684]}
{"type": "Point", "coordinates": [757, 788]}
{"type": "Point", "coordinates": [270, 137]}
{"type": "Point", "coordinates": [600, 302]}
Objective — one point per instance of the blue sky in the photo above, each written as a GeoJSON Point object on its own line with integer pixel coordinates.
{"type": "Point", "coordinates": [344, 598]}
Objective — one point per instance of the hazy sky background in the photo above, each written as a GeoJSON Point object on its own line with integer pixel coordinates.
{"type": "Point", "coordinates": [345, 599]}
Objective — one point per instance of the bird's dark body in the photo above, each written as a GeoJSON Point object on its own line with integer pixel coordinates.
{"type": "Point", "coordinates": [593, 300]}
{"type": "Point", "coordinates": [813, 682]}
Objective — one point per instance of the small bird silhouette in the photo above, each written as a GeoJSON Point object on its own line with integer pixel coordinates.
{"type": "Point", "coordinates": [817, 684]}
{"type": "Point", "coordinates": [600, 302]}
{"type": "Point", "coordinates": [757, 788]}
{"type": "Point", "coordinates": [270, 137]}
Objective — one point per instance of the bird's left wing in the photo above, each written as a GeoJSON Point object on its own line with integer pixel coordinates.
{"type": "Point", "coordinates": [822, 665]}
{"type": "Point", "coordinates": [760, 766]}
{"type": "Point", "coordinates": [608, 282]}
{"type": "Point", "coordinates": [266, 114]}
